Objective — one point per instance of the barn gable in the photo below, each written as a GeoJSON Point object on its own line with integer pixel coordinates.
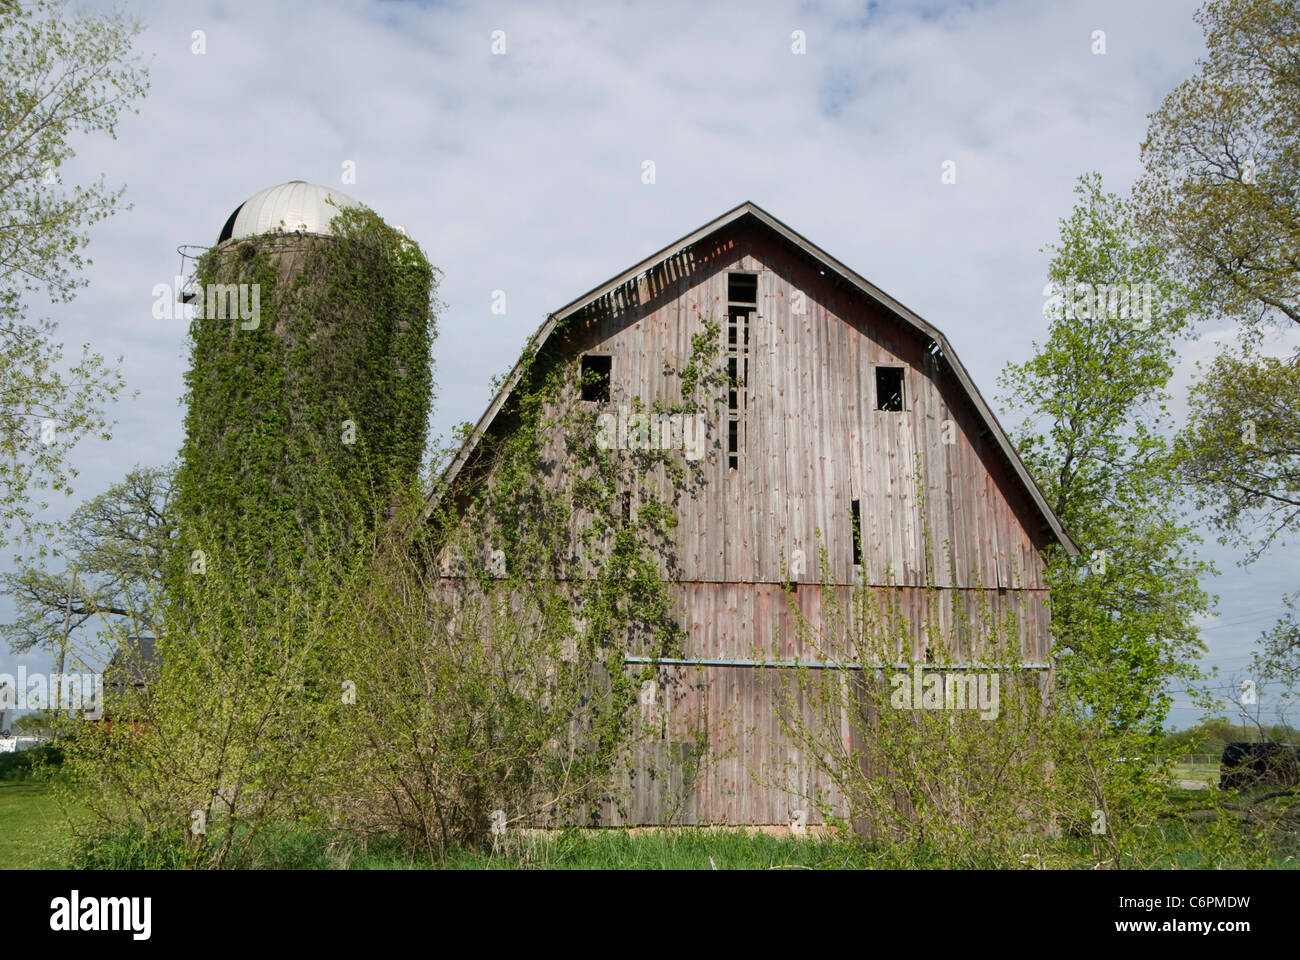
{"type": "Point", "coordinates": [852, 440]}
{"type": "Point", "coordinates": [642, 285]}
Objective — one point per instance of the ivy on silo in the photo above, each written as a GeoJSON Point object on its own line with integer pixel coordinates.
{"type": "Point", "coordinates": [314, 414]}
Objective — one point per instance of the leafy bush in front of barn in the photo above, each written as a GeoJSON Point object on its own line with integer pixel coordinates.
{"type": "Point", "coordinates": [922, 782]}
{"type": "Point", "coordinates": [416, 675]}
{"type": "Point", "coordinates": [491, 691]}
{"type": "Point", "coordinates": [1068, 772]}
{"type": "Point", "coordinates": [234, 733]}
{"type": "Point", "coordinates": [1019, 780]}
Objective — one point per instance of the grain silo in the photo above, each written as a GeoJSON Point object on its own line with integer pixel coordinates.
{"type": "Point", "coordinates": [310, 381]}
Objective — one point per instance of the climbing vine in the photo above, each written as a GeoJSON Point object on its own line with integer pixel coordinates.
{"type": "Point", "coordinates": [575, 538]}
{"type": "Point", "coordinates": [309, 404]}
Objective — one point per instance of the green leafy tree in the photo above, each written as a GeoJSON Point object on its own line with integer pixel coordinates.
{"type": "Point", "coordinates": [60, 76]}
{"type": "Point", "coordinates": [1095, 439]}
{"type": "Point", "coordinates": [1239, 454]}
{"type": "Point", "coordinates": [113, 549]}
{"type": "Point", "coordinates": [1221, 160]}
{"type": "Point", "coordinates": [1240, 448]}
{"type": "Point", "coordinates": [1222, 157]}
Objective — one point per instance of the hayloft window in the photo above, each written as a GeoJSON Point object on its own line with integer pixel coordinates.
{"type": "Point", "coordinates": [742, 288]}
{"type": "Point", "coordinates": [889, 388]}
{"type": "Point", "coordinates": [596, 371]}
{"type": "Point", "coordinates": [742, 307]}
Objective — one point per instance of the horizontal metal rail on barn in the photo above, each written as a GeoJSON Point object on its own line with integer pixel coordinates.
{"type": "Point", "coordinates": [822, 665]}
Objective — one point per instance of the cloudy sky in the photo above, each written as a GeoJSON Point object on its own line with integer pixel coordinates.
{"type": "Point", "coordinates": [522, 171]}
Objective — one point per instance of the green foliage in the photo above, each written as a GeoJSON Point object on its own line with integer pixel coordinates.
{"type": "Point", "coordinates": [21, 764]}
{"type": "Point", "coordinates": [1280, 653]}
{"type": "Point", "coordinates": [1222, 157]}
{"type": "Point", "coordinates": [228, 739]}
{"type": "Point", "coordinates": [39, 400]}
{"type": "Point", "coordinates": [474, 694]}
{"type": "Point", "coordinates": [60, 77]}
{"type": "Point", "coordinates": [114, 548]}
{"type": "Point", "coordinates": [1095, 440]}
{"type": "Point", "coordinates": [1239, 453]}
{"type": "Point", "coordinates": [921, 782]}
{"type": "Point", "coordinates": [319, 403]}
{"type": "Point", "coordinates": [1033, 782]}
{"type": "Point", "coordinates": [1123, 615]}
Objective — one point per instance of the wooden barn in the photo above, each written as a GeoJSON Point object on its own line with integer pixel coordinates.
{"type": "Point", "coordinates": [847, 412]}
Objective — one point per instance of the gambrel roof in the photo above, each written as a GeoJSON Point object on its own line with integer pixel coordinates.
{"type": "Point", "coordinates": [828, 263]}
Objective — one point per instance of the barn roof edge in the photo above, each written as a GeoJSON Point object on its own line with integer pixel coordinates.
{"type": "Point", "coordinates": [749, 209]}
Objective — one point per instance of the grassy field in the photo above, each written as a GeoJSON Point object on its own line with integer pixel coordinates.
{"type": "Point", "coordinates": [33, 829]}
{"type": "Point", "coordinates": [1203, 772]}
{"type": "Point", "coordinates": [31, 824]}
{"type": "Point", "coordinates": [656, 850]}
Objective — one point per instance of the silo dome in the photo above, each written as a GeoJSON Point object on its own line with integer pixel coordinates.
{"type": "Point", "coordinates": [296, 206]}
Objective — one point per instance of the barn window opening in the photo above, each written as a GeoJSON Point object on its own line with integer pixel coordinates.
{"type": "Point", "coordinates": [857, 533]}
{"type": "Point", "coordinates": [742, 307]}
{"type": "Point", "coordinates": [889, 388]}
{"type": "Point", "coordinates": [742, 287]}
{"type": "Point", "coordinates": [596, 371]}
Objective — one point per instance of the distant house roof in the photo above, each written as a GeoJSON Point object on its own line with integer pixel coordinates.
{"type": "Point", "coordinates": [135, 663]}
{"type": "Point", "coordinates": [872, 292]}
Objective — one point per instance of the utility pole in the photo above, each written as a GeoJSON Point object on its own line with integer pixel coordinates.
{"type": "Point", "coordinates": [63, 645]}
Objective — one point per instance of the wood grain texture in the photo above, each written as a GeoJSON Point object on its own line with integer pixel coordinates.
{"type": "Point", "coordinates": [812, 442]}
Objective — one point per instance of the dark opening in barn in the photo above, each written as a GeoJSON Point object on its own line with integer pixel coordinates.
{"type": "Point", "coordinates": [889, 388]}
{"type": "Point", "coordinates": [596, 370]}
{"type": "Point", "coordinates": [857, 533]}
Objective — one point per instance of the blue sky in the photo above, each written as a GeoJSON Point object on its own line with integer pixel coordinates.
{"type": "Point", "coordinates": [522, 172]}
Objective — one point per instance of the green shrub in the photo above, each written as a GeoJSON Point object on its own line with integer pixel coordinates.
{"type": "Point", "coordinates": [22, 764]}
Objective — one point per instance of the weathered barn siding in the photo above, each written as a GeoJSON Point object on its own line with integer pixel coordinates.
{"type": "Point", "coordinates": [812, 442]}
